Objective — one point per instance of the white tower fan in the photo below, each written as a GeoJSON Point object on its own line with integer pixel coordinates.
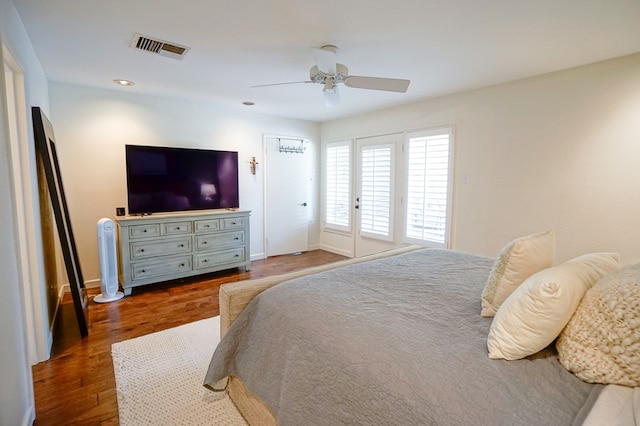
{"type": "Point", "coordinates": [108, 262]}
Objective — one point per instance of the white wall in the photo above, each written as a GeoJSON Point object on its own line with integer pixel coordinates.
{"type": "Point", "coordinates": [92, 127]}
{"type": "Point", "coordinates": [557, 151]}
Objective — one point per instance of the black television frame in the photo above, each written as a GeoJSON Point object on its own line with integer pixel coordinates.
{"type": "Point", "coordinates": [165, 179]}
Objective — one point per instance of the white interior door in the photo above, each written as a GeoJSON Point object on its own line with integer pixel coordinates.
{"type": "Point", "coordinates": [287, 196]}
{"type": "Point", "coordinates": [376, 198]}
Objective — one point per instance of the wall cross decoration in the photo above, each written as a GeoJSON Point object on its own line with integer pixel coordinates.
{"type": "Point", "coordinates": [253, 163]}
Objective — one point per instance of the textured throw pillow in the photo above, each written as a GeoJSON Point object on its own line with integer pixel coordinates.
{"type": "Point", "coordinates": [537, 311]}
{"type": "Point", "coordinates": [601, 342]}
{"type": "Point", "coordinates": [517, 261]}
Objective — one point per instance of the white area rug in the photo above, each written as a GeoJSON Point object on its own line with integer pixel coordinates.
{"type": "Point", "coordinates": [159, 378]}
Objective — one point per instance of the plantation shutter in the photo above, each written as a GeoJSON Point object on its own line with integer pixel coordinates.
{"type": "Point", "coordinates": [376, 192]}
{"type": "Point", "coordinates": [428, 187]}
{"type": "Point", "coordinates": [338, 184]}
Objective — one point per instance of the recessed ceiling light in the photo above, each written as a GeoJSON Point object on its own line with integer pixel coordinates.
{"type": "Point", "coordinates": [123, 82]}
{"type": "Point", "coordinates": [248, 103]}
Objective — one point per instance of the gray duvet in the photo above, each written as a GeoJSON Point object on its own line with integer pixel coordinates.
{"type": "Point", "coordinates": [395, 341]}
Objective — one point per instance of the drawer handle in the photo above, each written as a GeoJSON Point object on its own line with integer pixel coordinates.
{"type": "Point", "coordinates": [233, 223]}
{"type": "Point", "coordinates": [236, 238]}
{"type": "Point", "coordinates": [181, 245]}
{"type": "Point", "coordinates": [143, 271]}
{"type": "Point", "coordinates": [177, 228]}
{"type": "Point", "coordinates": [205, 260]}
{"type": "Point", "coordinates": [181, 265]}
{"type": "Point", "coordinates": [204, 243]}
{"type": "Point", "coordinates": [237, 255]}
{"type": "Point", "coordinates": [141, 250]}
{"type": "Point", "coordinates": [206, 226]}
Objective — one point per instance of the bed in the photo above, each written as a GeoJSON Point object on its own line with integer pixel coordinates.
{"type": "Point", "coordinates": [392, 338]}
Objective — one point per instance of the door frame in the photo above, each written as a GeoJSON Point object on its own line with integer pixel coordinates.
{"type": "Point", "coordinates": [365, 245]}
{"type": "Point", "coordinates": [38, 329]}
{"type": "Point", "coordinates": [265, 169]}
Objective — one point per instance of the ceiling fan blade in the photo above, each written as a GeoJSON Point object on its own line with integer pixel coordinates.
{"type": "Point", "coordinates": [281, 84]}
{"type": "Point", "coordinates": [325, 59]}
{"type": "Point", "coordinates": [377, 83]}
{"type": "Point", "coordinates": [331, 97]}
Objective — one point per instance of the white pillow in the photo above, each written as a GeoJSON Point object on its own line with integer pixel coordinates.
{"type": "Point", "coordinates": [517, 261]}
{"type": "Point", "coordinates": [537, 311]}
{"type": "Point", "coordinates": [601, 342]}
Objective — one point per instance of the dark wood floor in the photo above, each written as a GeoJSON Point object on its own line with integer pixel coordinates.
{"type": "Point", "coordinates": [77, 386]}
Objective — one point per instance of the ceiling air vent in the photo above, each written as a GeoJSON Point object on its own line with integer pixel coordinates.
{"type": "Point", "coordinates": [161, 47]}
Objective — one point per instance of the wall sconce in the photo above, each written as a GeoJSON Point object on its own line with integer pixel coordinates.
{"type": "Point", "coordinates": [253, 163]}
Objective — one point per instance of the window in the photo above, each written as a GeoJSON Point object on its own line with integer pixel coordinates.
{"type": "Point", "coordinates": [428, 186]}
{"type": "Point", "coordinates": [376, 191]}
{"type": "Point", "coordinates": [338, 186]}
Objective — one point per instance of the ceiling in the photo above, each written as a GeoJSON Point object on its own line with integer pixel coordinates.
{"type": "Point", "coordinates": [441, 46]}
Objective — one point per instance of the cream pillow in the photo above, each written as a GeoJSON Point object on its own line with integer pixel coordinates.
{"type": "Point", "coordinates": [601, 342]}
{"type": "Point", "coordinates": [517, 261]}
{"type": "Point", "coordinates": [537, 311]}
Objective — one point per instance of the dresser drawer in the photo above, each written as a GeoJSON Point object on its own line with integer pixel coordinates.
{"type": "Point", "coordinates": [207, 260]}
{"type": "Point", "coordinates": [175, 228]}
{"type": "Point", "coordinates": [221, 239]}
{"type": "Point", "coordinates": [144, 249]}
{"type": "Point", "coordinates": [167, 246]}
{"type": "Point", "coordinates": [232, 222]}
{"type": "Point", "coordinates": [156, 268]}
{"type": "Point", "coordinates": [207, 225]}
{"type": "Point", "coordinates": [144, 231]}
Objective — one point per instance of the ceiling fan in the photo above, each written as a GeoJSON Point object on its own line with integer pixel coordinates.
{"type": "Point", "coordinates": [330, 74]}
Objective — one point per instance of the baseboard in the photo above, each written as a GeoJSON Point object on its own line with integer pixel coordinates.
{"type": "Point", "coordinates": [52, 325]}
{"type": "Point", "coordinates": [29, 416]}
{"type": "Point", "coordinates": [65, 288]}
{"type": "Point", "coordinates": [258, 256]}
{"type": "Point", "coordinates": [335, 250]}
{"type": "Point", "coordinates": [92, 284]}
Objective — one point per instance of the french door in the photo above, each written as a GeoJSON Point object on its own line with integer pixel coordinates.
{"type": "Point", "coordinates": [376, 197]}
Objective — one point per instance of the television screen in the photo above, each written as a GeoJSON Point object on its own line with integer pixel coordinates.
{"type": "Point", "coordinates": [161, 179]}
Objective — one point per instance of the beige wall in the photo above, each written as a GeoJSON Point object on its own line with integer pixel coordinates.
{"type": "Point", "coordinates": [92, 127]}
{"type": "Point", "coordinates": [557, 151]}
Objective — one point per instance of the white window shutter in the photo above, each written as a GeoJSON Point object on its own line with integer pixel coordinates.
{"type": "Point", "coordinates": [376, 196]}
{"type": "Point", "coordinates": [338, 185]}
{"type": "Point", "coordinates": [428, 186]}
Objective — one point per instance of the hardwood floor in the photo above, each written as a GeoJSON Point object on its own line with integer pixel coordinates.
{"type": "Point", "coordinates": [77, 385]}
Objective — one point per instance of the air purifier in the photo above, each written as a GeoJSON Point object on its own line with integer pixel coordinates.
{"type": "Point", "coordinates": [108, 262]}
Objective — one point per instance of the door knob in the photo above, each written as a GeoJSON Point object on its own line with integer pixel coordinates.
{"type": "Point", "coordinates": [304, 204]}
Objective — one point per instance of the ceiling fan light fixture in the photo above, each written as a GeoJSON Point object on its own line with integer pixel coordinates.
{"type": "Point", "coordinates": [329, 86]}
{"type": "Point", "coordinates": [331, 94]}
{"type": "Point", "coordinates": [122, 82]}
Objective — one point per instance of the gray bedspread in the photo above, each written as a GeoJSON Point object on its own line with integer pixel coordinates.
{"type": "Point", "coordinates": [395, 341]}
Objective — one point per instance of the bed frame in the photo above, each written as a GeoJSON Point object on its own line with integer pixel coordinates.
{"type": "Point", "coordinates": [233, 299]}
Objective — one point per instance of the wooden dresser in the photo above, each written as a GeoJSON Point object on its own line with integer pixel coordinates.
{"type": "Point", "coordinates": [162, 247]}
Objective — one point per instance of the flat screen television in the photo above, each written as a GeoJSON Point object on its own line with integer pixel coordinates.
{"type": "Point", "coordinates": [162, 179]}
